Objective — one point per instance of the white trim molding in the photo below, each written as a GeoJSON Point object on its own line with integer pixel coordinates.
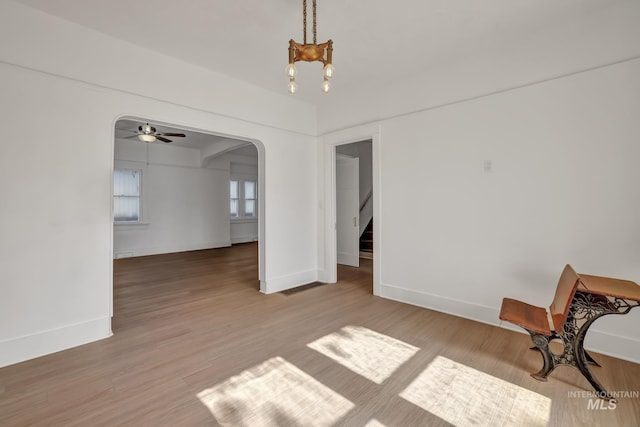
{"type": "Point", "coordinates": [289, 281]}
{"type": "Point", "coordinates": [600, 342]}
{"type": "Point", "coordinates": [28, 347]}
{"type": "Point", "coordinates": [170, 249]}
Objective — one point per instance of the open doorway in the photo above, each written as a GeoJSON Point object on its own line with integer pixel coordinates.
{"type": "Point", "coordinates": [354, 206]}
{"type": "Point", "coordinates": [173, 195]}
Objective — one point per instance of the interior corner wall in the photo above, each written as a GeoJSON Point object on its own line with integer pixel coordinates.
{"type": "Point", "coordinates": [184, 205]}
{"type": "Point", "coordinates": [490, 198]}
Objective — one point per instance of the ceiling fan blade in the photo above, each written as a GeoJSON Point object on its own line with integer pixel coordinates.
{"type": "Point", "coordinates": [162, 139]}
{"type": "Point", "coordinates": [181, 135]}
{"type": "Point", "coordinates": [127, 130]}
{"type": "Point", "coordinates": [131, 137]}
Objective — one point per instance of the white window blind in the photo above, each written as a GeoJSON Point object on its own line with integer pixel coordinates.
{"type": "Point", "coordinates": [234, 191]}
{"type": "Point", "coordinates": [243, 195]}
{"type": "Point", "coordinates": [126, 195]}
{"type": "Point", "coordinates": [249, 198]}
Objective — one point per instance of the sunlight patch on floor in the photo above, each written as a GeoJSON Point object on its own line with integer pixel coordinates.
{"type": "Point", "coordinates": [374, 423]}
{"type": "Point", "coordinates": [464, 396]}
{"type": "Point", "coordinates": [274, 393]}
{"type": "Point", "coordinates": [368, 353]}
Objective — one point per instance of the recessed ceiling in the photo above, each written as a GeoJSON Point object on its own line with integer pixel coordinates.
{"type": "Point", "coordinates": [376, 42]}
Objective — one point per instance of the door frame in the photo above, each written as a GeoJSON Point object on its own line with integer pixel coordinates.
{"type": "Point", "coordinates": [328, 271]}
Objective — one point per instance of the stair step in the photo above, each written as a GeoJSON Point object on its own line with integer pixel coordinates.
{"type": "Point", "coordinates": [366, 241]}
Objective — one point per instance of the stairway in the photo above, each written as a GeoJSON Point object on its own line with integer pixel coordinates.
{"type": "Point", "coordinates": [366, 241]}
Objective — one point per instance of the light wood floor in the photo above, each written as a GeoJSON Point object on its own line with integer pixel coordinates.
{"type": "Point", "coordinates": [186, 322]}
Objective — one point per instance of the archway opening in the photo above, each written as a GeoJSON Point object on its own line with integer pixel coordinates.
{"type": "Point", "coordinates": [187, 206]}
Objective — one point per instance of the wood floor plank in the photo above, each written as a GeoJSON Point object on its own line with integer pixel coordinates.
{"type": "Point", "coordinates": [188, 322]}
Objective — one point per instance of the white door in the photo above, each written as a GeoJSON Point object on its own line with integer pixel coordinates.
{"type": "Point", "coordinates": [347, 210]}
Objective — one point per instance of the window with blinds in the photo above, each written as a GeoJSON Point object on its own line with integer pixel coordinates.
{"type": "Point", "coordinates": [126, 195]}
{"type": "Point", "coordinates": [243, 198]}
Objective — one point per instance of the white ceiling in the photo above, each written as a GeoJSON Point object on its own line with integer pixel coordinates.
{"type": "Point", "coordinates": [376, 42]}
{"type": "Point", "coordinates": [128, 129]}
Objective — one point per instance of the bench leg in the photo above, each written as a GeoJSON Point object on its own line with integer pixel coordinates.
{"type": "Point", "coordinates": [586, 309]}
{"type": "Point", "coordinates": [590, 360]}
{"type": "Point", "coordinates": [541, 343]}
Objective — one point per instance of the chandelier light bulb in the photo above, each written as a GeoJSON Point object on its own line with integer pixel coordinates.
{"type": "Point", "coordinates": [328, 71]}
{"type": "Point", "coordinates": [291, 70]}
{"type": "Point", "coordinates": [326, 85]}
{"type": "Point", "coordinates": [293, 86]}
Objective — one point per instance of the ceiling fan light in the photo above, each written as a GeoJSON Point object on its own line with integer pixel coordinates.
{"type": "Point", "coordinates": [146, 137]}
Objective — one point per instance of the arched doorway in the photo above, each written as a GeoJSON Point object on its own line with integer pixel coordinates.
{"type": "Point", "coordinates": [173, 194]}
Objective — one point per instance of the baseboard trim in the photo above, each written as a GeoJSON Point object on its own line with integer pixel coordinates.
{"type": "Point", "coordinates": [597, 341]}
{"type": "Point", "coordinates": [170, 249]}
{"type": "Point", "coordinates": [28, 347]}
{"type": "Point", "coordinates": [282, 283]}
{"type": "Point", "coordinates": [442, 304]}
{"type": "Point", "coordinates": [243, 239]}
{"type": "Point", "coordinates": [625, 348]}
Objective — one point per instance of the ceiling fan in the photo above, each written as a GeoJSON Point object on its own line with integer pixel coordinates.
{"type": "Point", "coordinates": [147, 133]}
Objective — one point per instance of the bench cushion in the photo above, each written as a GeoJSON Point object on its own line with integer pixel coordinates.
{"type": "Point", "coordinates": [528, 316]}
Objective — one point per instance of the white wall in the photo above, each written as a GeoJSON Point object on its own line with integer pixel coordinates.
{"type": "Point", "coordinates": [563, 188]}
{"type": "Point", "coordinates": [184, 206]}
{"type": "Point", "coordinates": [63, 89]}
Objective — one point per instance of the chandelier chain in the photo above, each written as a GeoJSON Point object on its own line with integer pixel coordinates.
{"type": "Point", "coordinates": [314, 23]}
{"type": "Point", "coordinates": [304, 20]}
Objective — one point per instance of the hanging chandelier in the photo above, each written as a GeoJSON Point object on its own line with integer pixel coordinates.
{"type": "Point", "coordinates": [310, 52]}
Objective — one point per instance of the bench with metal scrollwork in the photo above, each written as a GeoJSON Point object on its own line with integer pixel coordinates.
{"type": "Point", "coordinates": [579, 300]}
